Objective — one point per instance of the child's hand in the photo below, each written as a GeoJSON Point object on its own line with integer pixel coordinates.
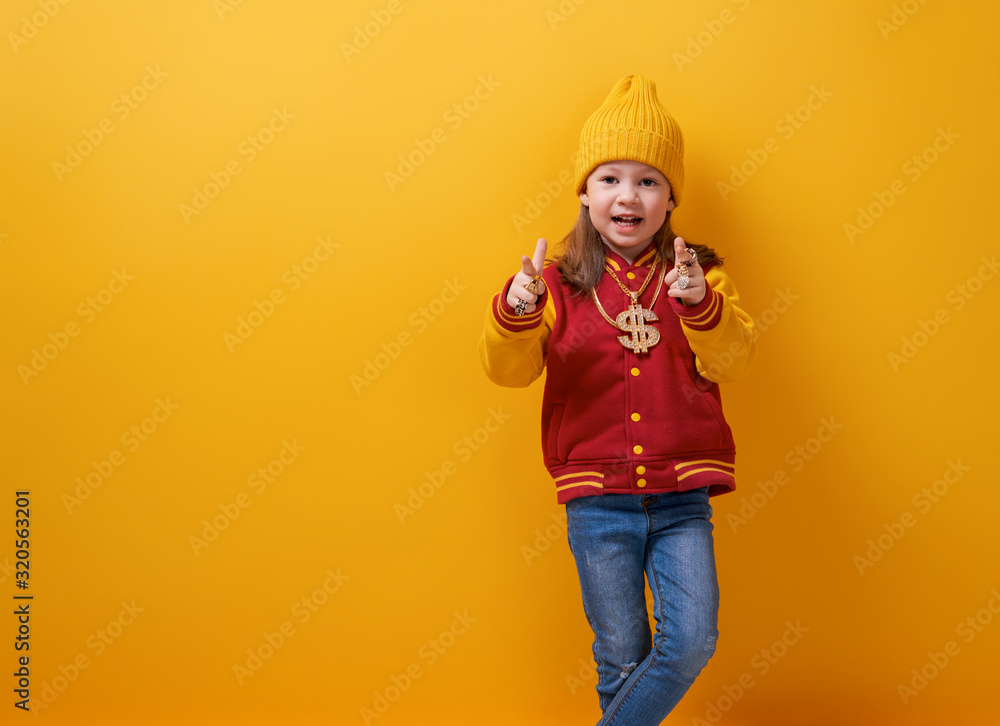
{"type": "Point", "coordinates": [529, 268]}
{"type": "Point", "coordinates": [694, 293]}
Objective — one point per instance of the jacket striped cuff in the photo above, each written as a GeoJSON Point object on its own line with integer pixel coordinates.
{"type": "Point", "coordinates": [703, 316]}
{"type": "Point", "coordinates": [507, 319]}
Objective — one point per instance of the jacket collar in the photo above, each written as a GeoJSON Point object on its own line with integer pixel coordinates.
{"type": "Point", "coordinates": [644, 259]}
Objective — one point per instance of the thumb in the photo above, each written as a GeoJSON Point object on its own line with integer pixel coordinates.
{"type": "Point", "coordinates": [679, 249]}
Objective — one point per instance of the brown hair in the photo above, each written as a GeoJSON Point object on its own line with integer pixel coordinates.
{"type": "Point", "coordinates": [581, 259]}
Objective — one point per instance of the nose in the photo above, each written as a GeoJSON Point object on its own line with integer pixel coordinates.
{"type": "Point", "coordinates": [628, 193]}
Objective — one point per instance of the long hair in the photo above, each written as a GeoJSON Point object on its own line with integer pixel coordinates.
{"type": "Point", "coordinates": [581, 258]}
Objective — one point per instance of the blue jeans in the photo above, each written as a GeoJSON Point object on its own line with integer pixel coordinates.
{"type": "Point", "coordinates": [615, 538]}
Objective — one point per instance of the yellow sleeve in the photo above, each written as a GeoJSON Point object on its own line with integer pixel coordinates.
{"type": "Point", "coordinates": [719, 331]}
{"type": "Point", "coordinates": [513, 348]}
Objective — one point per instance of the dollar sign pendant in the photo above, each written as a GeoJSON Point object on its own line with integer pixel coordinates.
{"type": "Point", "coordinates": [643, 337]}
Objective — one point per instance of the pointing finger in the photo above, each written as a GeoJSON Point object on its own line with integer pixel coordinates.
{"type": "Point", "coordinates": [537, 265]}
{"type": "Point", "coordinates": [539, 257]}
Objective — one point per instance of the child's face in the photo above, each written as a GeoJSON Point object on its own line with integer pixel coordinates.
{"type": "Point", "coordinates": [628, 202]}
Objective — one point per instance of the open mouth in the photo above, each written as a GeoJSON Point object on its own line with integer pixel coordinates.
{"type": "Point", "coordinates": [626, 221]}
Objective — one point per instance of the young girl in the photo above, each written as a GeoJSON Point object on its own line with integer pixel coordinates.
{"type": "Point", "coordinates": [637, 328]}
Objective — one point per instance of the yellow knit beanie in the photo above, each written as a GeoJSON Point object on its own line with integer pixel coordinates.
{"type": "Point", "coordinates": [632, 125]}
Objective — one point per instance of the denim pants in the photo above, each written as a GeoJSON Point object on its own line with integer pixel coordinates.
{"type": "Point", "coordinates": [615, 540]}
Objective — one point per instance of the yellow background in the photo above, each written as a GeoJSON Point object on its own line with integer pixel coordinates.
{"type": "Point", "coordinates": [488, 543]}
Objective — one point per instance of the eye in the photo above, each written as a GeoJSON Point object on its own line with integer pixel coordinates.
{"type": "Point", "coordinates": [648, 182]}
{"type": "Point", "coordinates": [609, 179]}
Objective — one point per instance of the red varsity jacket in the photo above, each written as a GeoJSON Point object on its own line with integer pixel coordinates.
{"type": "Point", "coordinates": [613, 420]}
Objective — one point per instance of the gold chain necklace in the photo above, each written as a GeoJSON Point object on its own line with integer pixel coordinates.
{"type": "Point", "coordinates": [633, 320]}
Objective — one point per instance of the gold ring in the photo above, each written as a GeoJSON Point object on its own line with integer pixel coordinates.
{"type": "Point", "coordinates": [532, 286]}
